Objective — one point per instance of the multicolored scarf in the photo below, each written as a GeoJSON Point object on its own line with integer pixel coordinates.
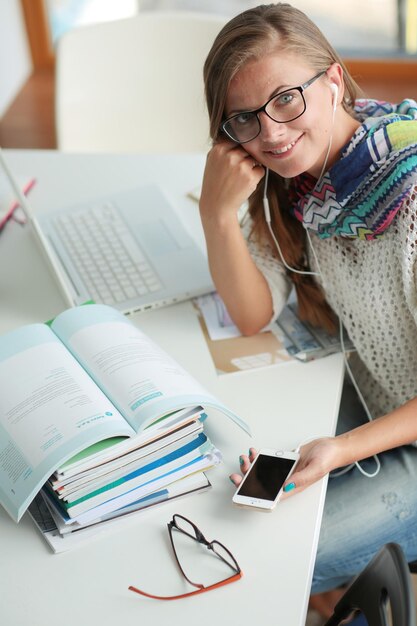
{"type": "Point", "coordinates": [362, 192]}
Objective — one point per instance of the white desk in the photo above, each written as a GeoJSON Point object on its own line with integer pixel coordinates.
{"type": "Point", "coordinates": [283, 404]}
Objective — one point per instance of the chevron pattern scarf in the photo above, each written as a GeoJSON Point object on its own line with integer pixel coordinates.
{"type": "Point", "coordinates": [362, 192]}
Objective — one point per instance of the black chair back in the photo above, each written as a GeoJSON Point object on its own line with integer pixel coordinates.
{"type": "Point", "coordinates": [385, 582]}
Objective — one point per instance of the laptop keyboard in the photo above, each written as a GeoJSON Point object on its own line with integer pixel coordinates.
{"type": "Point", "coordinates": [107, 257]}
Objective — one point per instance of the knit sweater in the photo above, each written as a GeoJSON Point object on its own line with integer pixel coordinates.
{"type": "Point", "coordinates": [372, 286]}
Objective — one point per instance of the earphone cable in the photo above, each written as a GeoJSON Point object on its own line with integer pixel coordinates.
{"type": "Point", "coordinates": [267, 214]}
{"type": "Point", "coordinates": [319, 273]}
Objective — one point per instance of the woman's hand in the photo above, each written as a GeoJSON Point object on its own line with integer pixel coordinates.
{"type": "Point", "coordinates": [317, 459]}
{"type": "Point", "coordinates": [245, 463]}
{"type": "Point", "coordinates": [231, 176]}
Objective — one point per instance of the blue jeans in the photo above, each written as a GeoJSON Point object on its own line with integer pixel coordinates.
{"type": "Point", "coordinates": [362, 514]}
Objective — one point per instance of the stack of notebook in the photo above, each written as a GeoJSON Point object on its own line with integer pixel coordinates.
{"type": "Point", "coordinates": [116, 478]}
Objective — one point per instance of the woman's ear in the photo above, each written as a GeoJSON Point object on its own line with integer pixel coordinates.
{"type": "Point", "coordinates": [335, 77]}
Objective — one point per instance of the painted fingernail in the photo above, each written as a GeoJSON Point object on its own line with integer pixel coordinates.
{"type": "Point", "coordinates": [241, 460]}
{"type": "Point", "coordinates": [249, 453]}
{"type": "Point", "coordinates": [231, 480]}
{"type": "Point", "coordinates": [289, 487]}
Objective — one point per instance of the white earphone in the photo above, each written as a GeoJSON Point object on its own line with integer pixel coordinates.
{"type": "Point", "coordinates": [267, 214]}
{"type": "Point", "coordinates": [335, 92]}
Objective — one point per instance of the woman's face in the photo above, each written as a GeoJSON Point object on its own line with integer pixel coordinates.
{"type": "Point", "coordinates": [288, 148]}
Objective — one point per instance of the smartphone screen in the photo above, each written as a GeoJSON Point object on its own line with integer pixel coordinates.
{"type": "Point", "coordinates": [266, 477]}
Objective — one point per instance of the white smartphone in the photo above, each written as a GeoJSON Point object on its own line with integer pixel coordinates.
{"type": "Point", "coordinates": [262, 486]}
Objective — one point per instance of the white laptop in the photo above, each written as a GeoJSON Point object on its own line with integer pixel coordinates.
{"type": "Point", "coordinates": [129, 250]}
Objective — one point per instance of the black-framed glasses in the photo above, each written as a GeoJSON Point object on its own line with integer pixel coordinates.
{"type": "Point", "coordinates": [285, 106]}
{"type": "Point", "coordinates": [182, 529]}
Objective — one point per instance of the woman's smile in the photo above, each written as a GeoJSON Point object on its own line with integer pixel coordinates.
{"type": "Point", "coordinates": [283, 151]}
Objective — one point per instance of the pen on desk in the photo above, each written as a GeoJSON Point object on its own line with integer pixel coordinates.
{"type": "Point", "coordinates": [10, 213]}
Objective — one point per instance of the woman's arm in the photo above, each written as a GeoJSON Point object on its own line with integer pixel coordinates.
{"type": "Point", "coordinates": [230, 177]}
{"type": "Point", "coordinates": [397, 428]}
{"type": "Point", "coordinates": [321, 456]}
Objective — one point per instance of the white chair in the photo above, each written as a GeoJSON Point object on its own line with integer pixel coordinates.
{"type": "Point", "coordinates": [135, 85]}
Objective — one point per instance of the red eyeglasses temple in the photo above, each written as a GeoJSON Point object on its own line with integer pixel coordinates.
{"type": "Point", "coordinates": [232, 579]}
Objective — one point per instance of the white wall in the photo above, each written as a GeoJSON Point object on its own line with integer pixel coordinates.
{"type": "Point", "coordinates": [15, 60]}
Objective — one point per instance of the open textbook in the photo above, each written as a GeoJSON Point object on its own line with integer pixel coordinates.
{"type": "Point", "coordinates": [90, 376]}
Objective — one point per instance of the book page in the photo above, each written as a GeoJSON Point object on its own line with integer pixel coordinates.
{"type": "Point", "coordinates": [50, 409]}
{"type": "Point", "coordinates": [142, 380]}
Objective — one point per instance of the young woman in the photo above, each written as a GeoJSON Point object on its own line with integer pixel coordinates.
{"type": "Point", "coordinates": [340, 176]}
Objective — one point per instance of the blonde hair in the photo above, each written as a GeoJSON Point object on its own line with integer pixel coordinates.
{"type": "Point", "coordinates": [249, 36]}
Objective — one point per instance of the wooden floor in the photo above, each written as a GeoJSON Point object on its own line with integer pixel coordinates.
{"type": "Point", "coordinates": [30, 121]}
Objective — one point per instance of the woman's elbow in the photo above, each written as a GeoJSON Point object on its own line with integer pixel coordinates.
{"type": "Point", "coordinates": [253, 318]}
{"type": "Point", "coordinates": [251, 327]}
{"type": "Point", "coordinates": [248, 331]}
